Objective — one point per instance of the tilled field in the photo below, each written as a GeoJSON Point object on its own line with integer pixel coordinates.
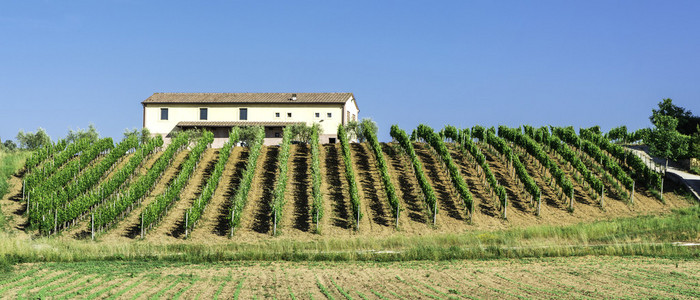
{"type": "Point", "coordinates": [552, 278]}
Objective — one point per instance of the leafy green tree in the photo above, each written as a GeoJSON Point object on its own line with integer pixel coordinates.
{"type": "Point", "coordinates": [687, 122]}
{"type": "Point", "coordinates": [665, 141]}
{"type": "Point", "coordinates": [33, 141]}
{"type": "Point", "coordinates": [9, 145]}
{"type": "Point", "coordinates": [91, 134]}
{"type": "Point", "coordinates": [352, 128]}
{"type": "Point", "coordinates": [355, 130]}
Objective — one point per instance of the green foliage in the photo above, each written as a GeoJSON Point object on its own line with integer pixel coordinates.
{"type": "Point", "coordinates": [302, 132]}
{"type": "Point", "coordinates": [114, 201]}
{"type": "Point", "coordinates": [640, 169]}
{"type": "Point", "coordinates": [383, 171]}
{"type": "Point", "coordinates": [350, 175]}
{"type": "Point", "coordinates": [687, 122]}
{"type": "Point", "coordinates": [90, 134]}
{"type": "Point", "coordinates": [468, 146]}
{"type": "Point", "coordinates": [143, 135]}
{"type": "Point", "coordinates": [198, 206]}
{"type": "Point", "coordinates": [357, 130]}
{"type": "Point", "coordinates": [569, 136]}
{"type": "Point", "coordinates": [44, 153]}
{"type": "Point", "coordinates": [240, 198]}
{"type": "Point", "coordinates": [665, 141]}
{"type": "Point", "coordinates": [317, 204]}
{"type": "Point", "coordinates": [436, 142]}
{"type": "Point", "coordinates": [278, 200]}
{"type": "Point", "coordinates": [8, 145]}
{"type": "Point", "coordinates": [33, 141]}
{"type": "Point", "coordinates": [428, 194]}
{"type": "Point", "coordinates": [502, 147]}
{"type": "Point", "coordinates": [156, 209]}
{"type": "Point", "coordinates": [10, 162]}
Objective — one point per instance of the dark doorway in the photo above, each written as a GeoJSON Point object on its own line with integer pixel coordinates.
{"type": "Point", "coordinates": [331, 140]}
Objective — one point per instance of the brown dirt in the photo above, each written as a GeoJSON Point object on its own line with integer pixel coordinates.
{"type": "Point", "coordinates": [546, 278]}
{"type": "Point", "coordinates": [413, 215]}
{"type": "Point", "coordinates": [374, 203]}
{"type": "Point", "coordinates": [256, 221]}
{"type": "Point", "coordinates": [337, 219]}
{"type": "Point", "coordinates": [451, 212]}
{"type": "Point", "coordinates": [296, 217]}
{"type": "Point", "coordinates": [172, 224]}
{"type": "Point", "coordinates": [213, 223]}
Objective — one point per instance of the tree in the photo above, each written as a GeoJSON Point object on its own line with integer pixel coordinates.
{"type": "Point", "coordinates": [9, 145]}
{"type": "Point", "coordinates": [352, 128]}
{"type": "Point", "coordinates": [687, 122]}
{"type": "Point", "coordinates": [91, 133]}
{"type": "Point", "coordinates": [356, 129]}
{"type": "Point", "coordinates": [33, 141]}
{"type": "Point", "coordinates": [665, 141]}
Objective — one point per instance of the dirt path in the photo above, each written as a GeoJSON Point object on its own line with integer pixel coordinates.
{"type": "Point", "coordinates": [256, 220]}
{"type": "Point", "coordinates": [213, 224]}
{"type": "Point", "coordinates": [414, 216]}
{"type": "Point", "coordinates": [172, 224]}
{"type": "Point", "coordinates": [336, 202]}
{"type": "Point", "coordinates": [130, 227]}
{"type": "Point", "coordinates": [296, 217]}
{"type": "Point", "coordinates": [450, 210]}
{"type": "Point", "coordinates": [373, 199]}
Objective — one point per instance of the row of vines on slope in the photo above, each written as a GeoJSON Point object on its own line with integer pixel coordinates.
{"type": "Point", "coordinates": [58, 160]}
{"type": "Point", "coordinates": [155, 210]}
{"type": "Point", "coordinates": [465, 141]}
{"type": "Point", "coordinates": [43, 154]}
{"type": "Point", "coordinates": [569, 136]}
{"type": "Point", "coordinates": [55, 190]}
{"type": "Point", "coordinates": [118, 203]}
{"type": "Point", "coordinates": [317, 204]}
{"type": "Point", "coordinates": [535, 150]}
{"type": "Point", "coordinates": [384, 172]}
{"type": "Point", "coordinates": [281, 185]}
{"type": "Point", "coordinates": [198, 206]}
{"type": "Point", "coordinates": [350, 175]}
{"type": "Point", "coordinates": [514, 163]}
{"type": "Point", "coordinates": [640, 169]}
{"type": "Point", "coordinates": [429, 197]}
{"type": "Point", "coordinates": [437, 143]}
{"type": "Point", "coordinates": [239, 199]}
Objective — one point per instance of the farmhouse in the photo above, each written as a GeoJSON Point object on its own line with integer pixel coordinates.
{"type": "Point", "coordinates": [164, 113]}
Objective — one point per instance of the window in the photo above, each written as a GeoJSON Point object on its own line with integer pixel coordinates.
{"type": "Point", "coordinates": [318, 115]}
{"type": "Point", "coordinates": [277, 115]}
{"type": "Point", "coordinates": [289, 115]}
{"type": "Point", "coordinates": [243, 114]}
{"type": "Point", "coordinates": [202, 113]}
{"type": "Point", "coordinates": [277, 134]}
{"type": "Point", "coordinates": [330, 115]}
{"type": "Point", "coordinates": [163, 113]}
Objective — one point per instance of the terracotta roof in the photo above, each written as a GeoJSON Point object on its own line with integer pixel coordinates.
{"type": "Point", "coordinates": [231, 124]}
{"type": "Point", "coordinates": [248, 98]}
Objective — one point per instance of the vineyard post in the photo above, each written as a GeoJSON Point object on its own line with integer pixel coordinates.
{"type": "Point", "coordinates": [539, 201]}
{"type": "Point", "coordinates": [434, 212]}
{"type": "Point", "coordinates": [233, 214]}
{"type": "Point", "coordinates": [92, 226]}
{"type": "Point", "coordinates": [142, 215]}
{"type": "Point", "coordinates": [187, 215]}
{"type": "Point", "coordinates": [571, 202]}
{"type": "Point", "coordinates": [357, 226]}
{"type": "Point", "coordinates": [602, 196]}
{"type": "Point", "coordinates": [274, 225]}
{"type": "Point", "coordinates": [632, 195]}
{"type": "Point", "coordinates": [397, 217]}
{"type": "Point", "coordinates": [505, 208]}
{"type": "Point", "coordinates": [24, 182]}
{"type": "Point", "coordinates": [55, 221]}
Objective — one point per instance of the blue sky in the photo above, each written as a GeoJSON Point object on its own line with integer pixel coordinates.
{"type": "Point", "coordinates": [65, 64]}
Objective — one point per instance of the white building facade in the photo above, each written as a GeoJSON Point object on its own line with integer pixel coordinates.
{"type": "Point", "coordinates": [219, 112]}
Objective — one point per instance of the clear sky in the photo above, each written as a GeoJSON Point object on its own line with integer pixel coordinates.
{"type": "Point", "coordinates": [65, 64]}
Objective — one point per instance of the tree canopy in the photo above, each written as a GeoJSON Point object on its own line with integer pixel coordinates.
{"type": "Point", "coordinates": [33, 141]}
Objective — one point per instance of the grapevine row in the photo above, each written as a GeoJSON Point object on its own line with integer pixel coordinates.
{"type": "Point", "coordinates": [535, 150]}
{"type": "Point", "coordinates": [156, 209]}
{"type": "Point", "coordinates": [466, 143]}
{"type": "Point", "coordinates": [641, 170]}
{"type": "Point", "coordinates": [521, 172]}
{"type": "Point", "coordinates": [569, 136]}
{"type": "Point", "coordinates": [240, 198]}
{"type": "Point", "coordinates": [48, 168]}
{"type": "Point", "coordinates": [350, 174]}
{"type": "Point", "coordinates": [384, 172]}
{"type": "Point", "coordinates": [317, 204]}
{"type": "Point", "coordinates": [198, 206]}
{"type": "Point", "coordinates": [43, 154]}
{"type": "Point", "coordinates": [281, 184]}
{"type": "Point", "coordinates": [108, 212]}
{"type": "Point", "coordinates": [437, 143]}
{"type": "Point", "coordinates": [428, 193]}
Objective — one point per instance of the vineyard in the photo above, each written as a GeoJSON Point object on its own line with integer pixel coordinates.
{"type": "Point", "coordinates": [449, 180]}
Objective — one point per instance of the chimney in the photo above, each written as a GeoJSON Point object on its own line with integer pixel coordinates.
{"type": "Point", "coordinates": [294, 97]}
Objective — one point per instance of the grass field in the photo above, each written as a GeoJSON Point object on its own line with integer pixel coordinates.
{"type": "Point", "coordinates": [550, 278]}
